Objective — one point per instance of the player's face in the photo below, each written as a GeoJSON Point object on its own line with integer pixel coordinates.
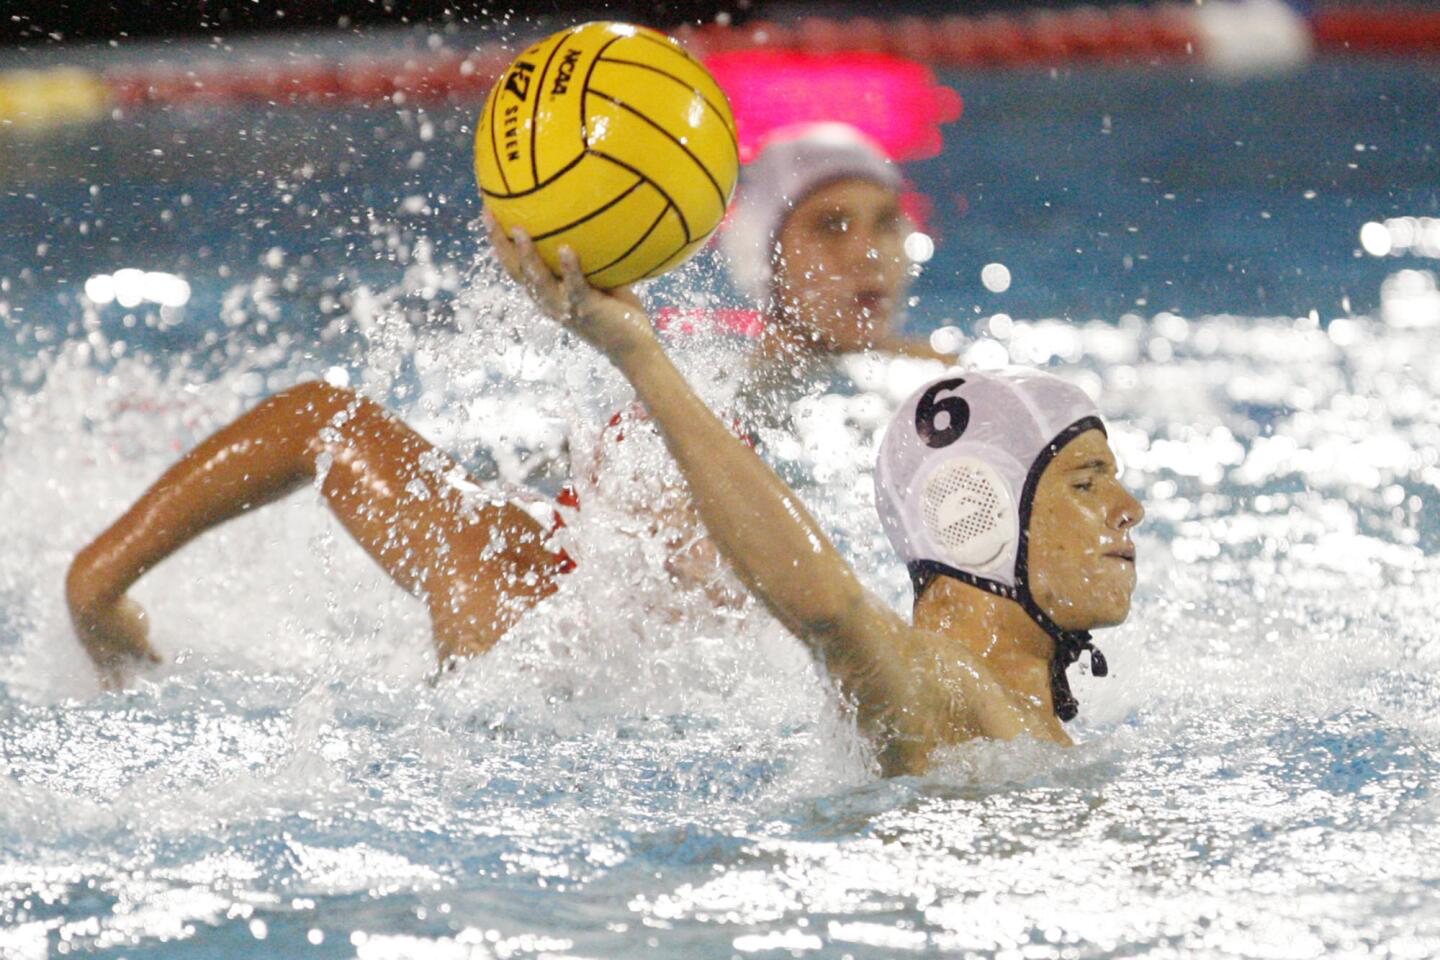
{"type": "Point", "coordinates": [1081, 560]}
{"type": "Point", "coordinates": [841, 269]}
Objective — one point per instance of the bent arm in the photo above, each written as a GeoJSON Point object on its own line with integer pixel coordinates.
{"type": "Point", "coordinates": [257, 459]}
{"type": "Point", "coordinates": [774, 545]}
{"type": "Point", "coordinates": [908, 698]}
{"type": "Point", "coordinates": [783, 556]}
{"type": "Point", "coordinates": [390, 489]}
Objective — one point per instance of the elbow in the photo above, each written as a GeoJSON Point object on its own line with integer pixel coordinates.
{"type": "Point", "coordinates": [306, 409]}
{"type": "Point", "coordinates": [314, 402]}
{"type": "Point", "coordinates": [97, 579]}
{"type": "Point", "coordinates": [316, 395]}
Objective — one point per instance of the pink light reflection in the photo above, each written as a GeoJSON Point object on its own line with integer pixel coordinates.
{"type": "Point", "coordinates": [896, 102]}
{"type": "Point", "coordinates": [741, 322]}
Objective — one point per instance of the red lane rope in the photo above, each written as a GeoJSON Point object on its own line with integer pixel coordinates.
{"type": "Point", "coordinates": [1114, 34]}
{"type": "Point", "coordinates": [994, 40]}
{"type": "Point", "coordinates": [1086, 33]}
{"type": "Point", "coordinates": [1391, 30]}
{"type": "Point", "coordinates": [397, 80]}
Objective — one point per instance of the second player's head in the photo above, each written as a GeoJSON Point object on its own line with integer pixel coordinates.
{"type": "Point", "coordinates": [817, 236]}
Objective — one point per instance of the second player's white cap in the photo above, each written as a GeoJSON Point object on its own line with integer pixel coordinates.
{"type": "Point", "coordinates": [793, 163]}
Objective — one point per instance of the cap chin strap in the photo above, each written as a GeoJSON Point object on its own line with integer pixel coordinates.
{"type": "Point", "coordinates": [1069, 644]}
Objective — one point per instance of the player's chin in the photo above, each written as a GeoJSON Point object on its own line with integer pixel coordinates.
{"type": "Point", "coordinates": [1112, 613]}
{"type": "Point", "coordinates": [1111, 604]}
{"type": "Point", "coordinates": [1101, 606]}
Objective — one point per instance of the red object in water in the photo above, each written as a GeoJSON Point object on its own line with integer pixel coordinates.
{"type": "Point", "coordinates": [746, 323]}
{"type": "Point", "coordinates": [896, 102]}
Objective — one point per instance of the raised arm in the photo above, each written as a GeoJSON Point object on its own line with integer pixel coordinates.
{"type": "Point", "coordinates": [389, 487]}
{"type": "Point", "coordinates": [775, 546]}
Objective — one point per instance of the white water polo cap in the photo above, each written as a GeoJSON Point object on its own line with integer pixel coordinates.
{"type": "Point", "coordinates": [793, 163]}
{"type": "Point", "coordinates": [956, 478]}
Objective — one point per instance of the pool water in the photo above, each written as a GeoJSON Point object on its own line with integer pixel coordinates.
{"type": "Point", "coordinates": [1255, 779]}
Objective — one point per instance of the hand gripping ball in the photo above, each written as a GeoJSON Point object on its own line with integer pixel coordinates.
{"type": "Point", "coordinates": [612, 140]}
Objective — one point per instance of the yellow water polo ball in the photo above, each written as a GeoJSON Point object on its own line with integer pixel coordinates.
{"type": "Point", "coordinates": [610, 139]}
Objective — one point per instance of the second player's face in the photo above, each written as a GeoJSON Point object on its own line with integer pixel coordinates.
{"type": "Point", "coordinates": [1081, 560]}
{"type": "Point", "coordinates": [841, 270]}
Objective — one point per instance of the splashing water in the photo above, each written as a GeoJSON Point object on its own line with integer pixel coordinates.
{"type": "Point", "coordinates": [1255, 778]}
{"type": "Point", "coordinates": [632, 773]}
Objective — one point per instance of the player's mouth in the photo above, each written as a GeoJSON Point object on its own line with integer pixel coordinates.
{"type": "Point", "coordinates": [1126, 553]}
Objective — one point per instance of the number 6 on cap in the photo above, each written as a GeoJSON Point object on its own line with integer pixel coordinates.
{"type": "Point", "coordinates": [928, 410]}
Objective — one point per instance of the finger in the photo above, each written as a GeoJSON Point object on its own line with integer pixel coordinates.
{"type": "Point", "coordinates": [510, 261]}
{"type": "Point", "coordinates": [493, 229]}
{"type": "Point", "coordinates": [569, 260]}
{"type": "Point", "coordinates": [541, 283]}
{"type": "Point", "coordinates": [538, 275]}
{"type": "Point", "coordinates": [505, 250]}
{"type": "Point", "coordinates": [577, 288]}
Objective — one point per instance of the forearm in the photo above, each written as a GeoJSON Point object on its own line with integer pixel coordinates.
{"type": "Point", "coordinates": [262, 456]}
{"type": "Point", "coordinates": [775, 546]}
{"type": "Point", "coordinates": [253, 461]}
{"type": "Point", "coordinates": [184, 503]}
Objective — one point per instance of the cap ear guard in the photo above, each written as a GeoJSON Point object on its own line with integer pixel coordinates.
{"type": "Point", "coordinates": [968, 514]}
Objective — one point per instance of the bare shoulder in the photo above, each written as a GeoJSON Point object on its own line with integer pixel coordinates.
{"type": "Point", "coordinates": [908, 700]}
{"type": "Point", "coordinates": [915, 690]}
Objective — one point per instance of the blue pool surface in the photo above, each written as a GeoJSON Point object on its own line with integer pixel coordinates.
{"type": "Point", "coordinates": [1256, 779]}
